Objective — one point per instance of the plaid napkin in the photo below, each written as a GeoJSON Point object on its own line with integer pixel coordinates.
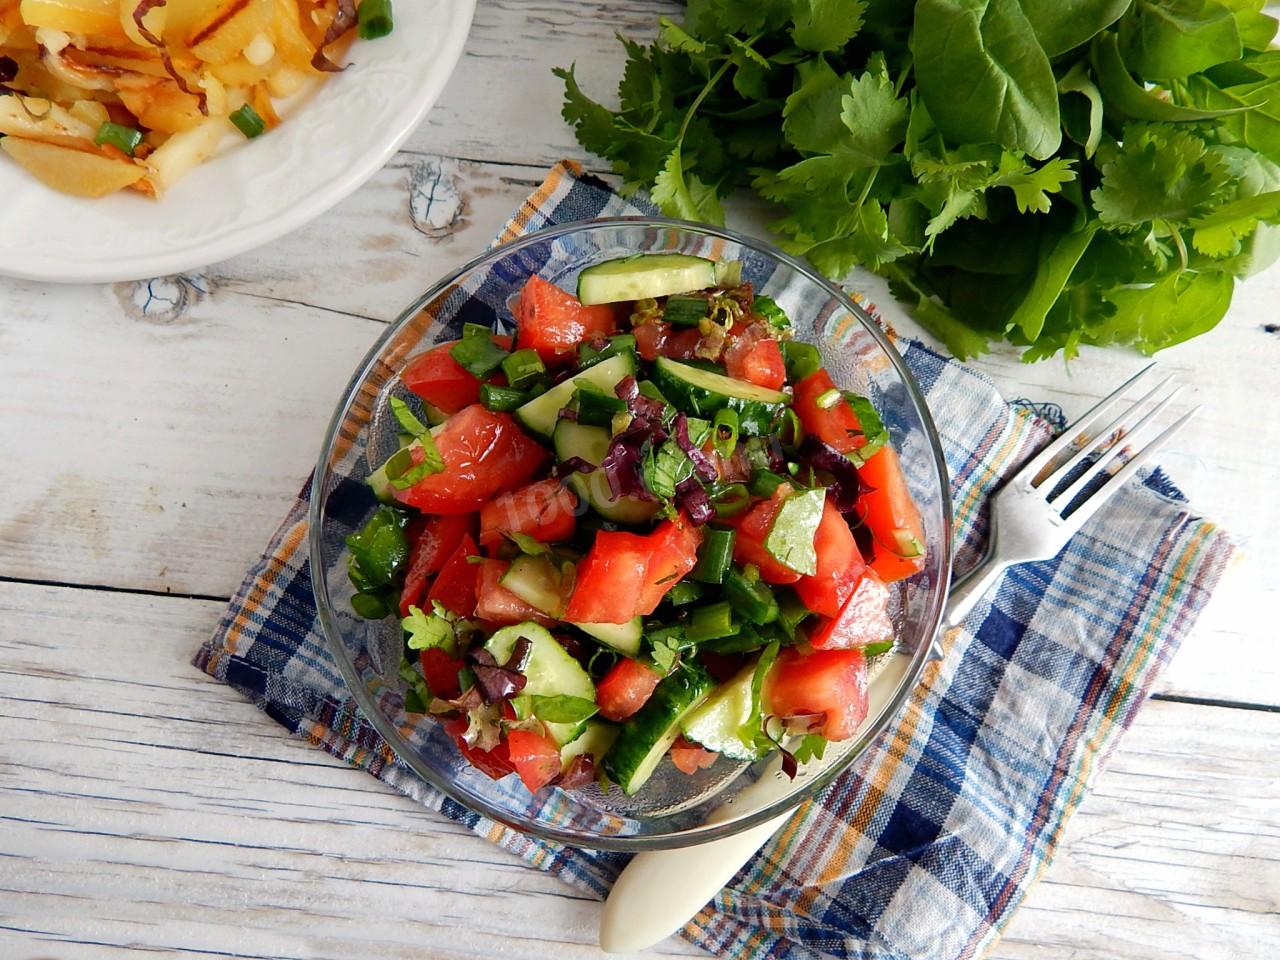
{"type": "Point", "coordinates": [927, 846]}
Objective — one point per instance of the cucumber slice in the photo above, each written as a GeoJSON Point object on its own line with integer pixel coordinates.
{"type": "Point", "coordinates": [623, 637]}
{"type": "Point", "coordinates": [645, 275]}
{"type": "Point", "coordinates": [536, 581]}
{"type": "Point", "coordinates": [549, 668]}
{"type": "Point", "coordinates": [716, 723]}
{"type": "Point", "coordinates": [591, 444]}
{"type": "Point", "coordinates": [728, 273]}
{"type": "Point", "coordinates": [541, 413]}
{"type": "Point", "coordinates": [645, 738]}
{"type": "Point", "coordinates": [596, 739]}
{"type": "Point", "coordinates": [703, 393]}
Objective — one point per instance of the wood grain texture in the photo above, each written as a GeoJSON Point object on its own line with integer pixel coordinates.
{"type": "Point", "coordinates": [145, 807]}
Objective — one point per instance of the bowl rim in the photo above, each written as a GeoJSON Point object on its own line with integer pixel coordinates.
{"type": "Point", "coordinates": [707, 831]}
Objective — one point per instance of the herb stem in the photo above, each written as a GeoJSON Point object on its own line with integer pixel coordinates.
{"type": "Point", "coordinates": [1181, 245]}
{"type": "Point", "coordinates": [702, 95]}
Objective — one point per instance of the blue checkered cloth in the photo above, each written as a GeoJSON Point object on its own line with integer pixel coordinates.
{"type": "Point", "coordinates": [928, 844]}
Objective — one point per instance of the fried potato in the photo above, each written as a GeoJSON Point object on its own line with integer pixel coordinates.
{"type": "Point", "coordinates": [99, 17]}
{"type": "Point", "coordinates": [79, 172]}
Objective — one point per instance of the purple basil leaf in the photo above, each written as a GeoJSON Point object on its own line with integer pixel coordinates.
{"type": "Point", "coordinates": [847, 486]}
{"type": "Point", "coordinates": [702, 464]}
{"type": "Point", "coordinates": [693, 499]}
{"type": "Point", "coordinates": [573, 465]}
{"type": "Point", "coordinates": [499, 683]}
{"type": "Point", "coordinates": [789, 765]}
{"type": "Point", "coordinates": [568, 414]}
{"type": "Point", "coordinates": [626, 388]}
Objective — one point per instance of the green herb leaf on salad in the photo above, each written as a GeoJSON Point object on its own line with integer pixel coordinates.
{"type": "Point", "coordinates": [790, 538]}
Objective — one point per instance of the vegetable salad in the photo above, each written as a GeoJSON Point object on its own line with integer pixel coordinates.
{"type": "Point", "coordinates": [649, 526]}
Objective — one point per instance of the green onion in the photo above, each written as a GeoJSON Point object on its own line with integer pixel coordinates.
{"type": "Point", "coordinates": [371, 606]}
{"type": "Point", "coordinates": [476, 352]}
{"type": "Point", "coordinates": [876, 649]}
{"type": "Point", "coordinates": [730, 499]}
{"type": "Point", "coordinates": [754, 601]}
{"type": "Point", "coordinates": [123, 138]}
{"type": "Point", "coordinates": [408, 422]}
{"type": "Point", "coordinates": [711, 623]}
{"type": "Point", "coordinates": [873, 428]}
{"type": "Point", "coordinates": [248, 122]}
{"type": "Point", "coordinates": [671, 635]}
{"type": "Point", "coordinates": [686, 591]}
{"type": "Point", "coordinates": [725, 426]}
{"type": "Point", "coordinates": [714, 556]}
{"type": "Point", "coordinates": [523, 367]}
{"type": "Point", "coordinates": [828, 399]}
{"type": "Point", "coordinates": [501, 399]}
{"type": "Point", "coordinates": [595, 407]}
{"type": "Point", "coordinates": [745, 640]}
{"type": "Point", "coordinates": [685, 311]}
{"type": "Point", "coordinates": [768, 310]}
{"type": "Point", "coordinates": [764, 482]}
{"type": "Point", "coordinates": [374, 19]}
{"type": "Point", "coordinates": [801, 359]}
{"type": "Point", "coordinates": [790, 538]}
{"type": "Point", "coordinates": [790, 431]}
{"type": "Point", "coordinates": [589, 356]}
{"type": "Point", "coordinates": [791, 613]}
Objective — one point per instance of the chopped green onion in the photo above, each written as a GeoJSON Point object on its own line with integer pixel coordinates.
{"type": "Point", "coordinates": [589, 356]}
{"type": "Point", "coordinates": [876, 649]}
{"type": "Point", "coordinates": [125, 139]}
{"type": "Point", "coordinates": [371, 606]}
{"type": "Point", "coordinates": [523, 367]}
{"type": "Point", "coordinates": [714, 556]}
{"type": "Point", "coordinates": [476, 352]}
{"type": "Point", "coordinates": [828, 399]}
{"type": "Point", "coordinates": [374, 19]}
{"type": "Point", "coordinates": [595, 407]}
{"type": "Point", "coordinates": [685, 311]}
{"type": "Point", "coordinates": [790, 539]}
{"type": "Point", "coordinates": [754, 601]}
{"type": "Point", "coordinates": [744, 641]}
{"type": "Point", "coordinates": [790, 431]}
{"type": "Point", "coordinates": [248, 122]}
{"type": "Point", "coordinates": [528, 545]}
{"type": "Point", "coordinates": [767, 309]}
{"type": "Point", "coordinates": [764, 482]}
{"type": "Point", "coordinates": [801, 359]}
{"type": "Point", "coordinates": [711, 623]}
{"type": "Point", "coordinates": [725, 426]}
{"type": "Point", "coordinates": [686, 591]}
{"type": "Point", "coordinates": [730, 499]}
{"type": "Point", "coordinates": [791, 613]}
{"type": "Point", "coordinates": [408, 422]}
{"type": "Point", "coordinates": [501, 399]}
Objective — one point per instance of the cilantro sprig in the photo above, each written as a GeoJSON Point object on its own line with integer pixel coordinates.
{"type": "Point", "coordinates": [1053, 174]}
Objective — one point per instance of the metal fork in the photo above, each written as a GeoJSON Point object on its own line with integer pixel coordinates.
{"type": "Point", "coordinates": [1032, 518]}
{"type": "Point", "coordinates": [1041, 507]}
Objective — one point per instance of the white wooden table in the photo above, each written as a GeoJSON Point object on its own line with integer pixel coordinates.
{"type": "Point", "coordinates": [151, 437]}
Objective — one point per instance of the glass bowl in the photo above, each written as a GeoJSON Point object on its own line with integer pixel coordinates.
{"type": "Point", "coordinates": [672, 809]}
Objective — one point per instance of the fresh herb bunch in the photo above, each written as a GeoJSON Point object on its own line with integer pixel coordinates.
{"type": "Point", "coordinates": [1054, 172]}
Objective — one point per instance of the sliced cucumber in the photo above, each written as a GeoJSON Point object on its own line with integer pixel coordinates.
{"type": "Point", "coordinates": [541, 413]}
{"type": "Point", "coordinates": [645, 275]}
{"type": "Point", "coordinates": [591, 444]}
{"type": "Point", "coordinates": [646, 737]}
{"type": "Point", "coordinates": [716, 724]}
{"type": "Point", "coordinates": [596, 739]}
{"type": "Point", "coordinates": [728, 273]}
{"type": "Point", "coordinates": [703, 392]}
{"type": "Point", "coordinates": [548, 667]}
{"type": "Point", "coordinates": [623, 637]}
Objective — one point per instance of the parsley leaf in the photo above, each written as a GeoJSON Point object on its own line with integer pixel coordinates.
{"type": "Point", "coordinates": [826, 25]}
{"type": "Point", "coordinates": [1158, 173]}
{"type": "Point", "coordinates": [429, 630]}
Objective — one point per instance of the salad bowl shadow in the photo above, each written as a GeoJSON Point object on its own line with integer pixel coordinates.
{"type": "Point", "coordinates": [672, 809]}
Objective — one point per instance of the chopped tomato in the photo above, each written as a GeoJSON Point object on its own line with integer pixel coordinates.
{"type": "Point", "coordinates": [625, 688]}
{"type": "Point", "coordinates": [840, 565]}
{"type": "Point", "coordinates": [535, 756]}
{"type": "Point", "coordinates": [828, 682]}
{"type": "Point", "coordinates": [628, 574]}
{"type": "Point", "coordinates": [495, 763]}
{"type": "Point", "coordinates": [441, 672]}
{"type": "Point", "coordinates": [650, 339]}
{"type": "Point", "coordinates": [546, 511]}
{"type": "Point", "coordinates": [484, 453]}
{"type": "Point", "coordinates": [863, 620]}
{"type": "Point", "coordinates": [753, 526]}
{"type": "Point", "coordinates": [496, 604]}
{"type": "Point", "coordinates": [891, 516]}
{"type": "Point", "coordinates": [553, 322]}
{"type": "Point", "coordinates": [836, 425]}
{"type": "Point", "coordinates": [440, 380]}
{"type": "Point", "coordinates": [689, 757]}
{"type": "Point", "coordinates": [759, 362]}
{"type": "Point", "coordinates": [456, 583]}
{"type": "Point", "coordinates": [440, 536]}
{"type": "Point", "coordinates": [682, 345]}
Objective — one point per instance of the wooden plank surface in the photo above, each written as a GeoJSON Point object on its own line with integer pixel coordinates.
{"type": "Point", "coordinates": [145, 807]}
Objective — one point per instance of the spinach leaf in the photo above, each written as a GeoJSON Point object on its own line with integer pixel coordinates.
{"type": "Point", "coordinates": [1059, 254]}
{"type": "Point", "coordinates": [1179, 307]}
{"type": "Point", "coordinates": [1062, 25]}
{"type": "Point", "coordinates": [1164, 39]}
{"type": "Point", "coordinates": [1125, 96]}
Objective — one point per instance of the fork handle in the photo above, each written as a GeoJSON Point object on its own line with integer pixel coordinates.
{"type": "Point", "coordinates": [972, 587]}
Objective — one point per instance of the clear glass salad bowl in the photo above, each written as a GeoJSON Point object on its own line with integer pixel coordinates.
{"type": "Point", "coordinates": [672, 809]}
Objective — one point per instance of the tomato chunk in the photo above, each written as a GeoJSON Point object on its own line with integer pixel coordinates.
{"type": "Point", "coordinates": [495, 763]}
{"type": "Point", "coordinates": [440, 536]}
{"type": "Point", "coordinates": [546, 511]}
{"type": "Point", "coordinates": [836, 425]}
{"type": "Point", "coordinates": [625, 688]}
{"type": "Point", "coordinates": [456, 583]}
{"type": "Point", "coordinates": [650, 339]}
{"type": "Point", "coordinates": [689, 757]}
{"type": "Point", "coordinates": [840, 566]}
{"type": "Point", "coordinates": [496, 604]}
{"type": "Point", "coordinates": [441, 672]}
{"type": "Point", "coordinates": [628, 574]}
{"type": "Point", "coordinates": [832, 683]}
{"type": "Point", "coordinates": [759, 362]}
{"type": "Point", "coordinates": [440, 380]}
{"type": "Point", "coordinates": [753, 526]}
{"type": "Point", "coordinates": [535, 757]}
{"type": "Point", "coordinates": [891, 516]}
{"type": "Point", "coordinates": [553, 322]}
{"type": "Point", "coordinates": [863, 620]}
{"type": "Point", "coordinates": [484, 453]}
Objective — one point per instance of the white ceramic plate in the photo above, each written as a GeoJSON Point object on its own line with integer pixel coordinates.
{"type": "Point", "coordinates": [251, 192]}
